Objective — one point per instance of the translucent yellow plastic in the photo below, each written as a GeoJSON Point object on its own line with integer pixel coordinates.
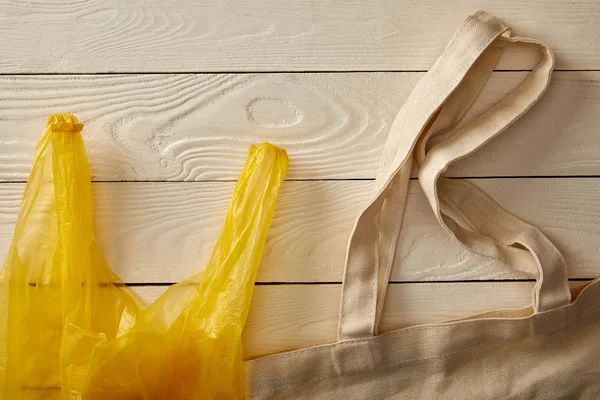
{"type": "Point", "coordinates": [70, 329]}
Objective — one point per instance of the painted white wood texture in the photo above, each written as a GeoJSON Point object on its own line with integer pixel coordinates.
{"type": "Point", "coordinates": [164, 232]}
{"type": "Point", "coordinates": [284, 317]}
{"type": "Point", "coordinates": [199, 127]}
{"type": "Point", "coordinates": [310, 77]}
{"type": "Point", "coordinates": [262, 35]}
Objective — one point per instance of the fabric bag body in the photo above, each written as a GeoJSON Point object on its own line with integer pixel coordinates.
{"type": "Point", "coordinates": [541, 352]}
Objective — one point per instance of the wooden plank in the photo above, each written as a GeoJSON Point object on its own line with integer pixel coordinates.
{"type": "Point", "coordinates": [301, 35]}
{"type": "Point", "coordinates": [199, 127]}
{"type": "Point", "coordinates": [284, 317]}
{"type": "Point", "coordinates": [164, 232]}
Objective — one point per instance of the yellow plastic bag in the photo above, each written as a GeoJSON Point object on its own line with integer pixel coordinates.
{"type": "Point", "coordinates": [69, 328]}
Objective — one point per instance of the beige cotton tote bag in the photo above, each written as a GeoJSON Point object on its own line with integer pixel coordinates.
{"type": "Point", "coordinates": [550, 350]}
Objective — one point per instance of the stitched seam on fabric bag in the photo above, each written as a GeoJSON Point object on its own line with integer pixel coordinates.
{"type": "Point", "coordinates": [448, 47]}
{"type": "Point", "coordinates": [320, 378]}
{"type": "Point", "coordinates": [419, 328]}
{"type": "Point", "coordinates": [462, 28]}
{"type": "Point", "coordinates": [392, 251]}
{"type": "Point", "coordinates": [385, 366]}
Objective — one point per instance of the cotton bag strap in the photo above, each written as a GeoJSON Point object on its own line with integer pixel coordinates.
{"type": "Point", "coordinates": [434, 108]}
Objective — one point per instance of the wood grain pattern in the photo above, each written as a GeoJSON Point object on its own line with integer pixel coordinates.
{"type": "Point", "coordinates": [194, 121]}
{"type": "Point", "coordinates": [199, 127]}
{"type": "Point", "coordinates": [302, 35]}
{"type": "Point", "coordinates": [164, 232]}
{"type": "Point", "coordinates": [284, 317]}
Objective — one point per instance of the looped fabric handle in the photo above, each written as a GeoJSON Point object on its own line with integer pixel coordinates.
{"type": "Point", "coordinates": [435, 107]}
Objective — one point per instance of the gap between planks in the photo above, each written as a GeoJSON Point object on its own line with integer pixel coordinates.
{"type": "Point", "coordinates": [166, 284]}
{"type": "Point", "coordinates": [343, 179]}
{"type": "Point", "coordinates": [358, 71]}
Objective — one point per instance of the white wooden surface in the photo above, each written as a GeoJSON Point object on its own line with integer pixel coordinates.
{"type": "Point", "coordinates": [164, 232]}
{"type": "Point", "coordinates": [199, 127]}
{"type": "Point", "coordinates": [175, 91]}
{"type": "Point", "coordinates": [251, 35]}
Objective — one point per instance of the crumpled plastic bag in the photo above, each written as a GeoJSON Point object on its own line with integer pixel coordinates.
{"type": "Point", "coordinates": [70, 329]}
